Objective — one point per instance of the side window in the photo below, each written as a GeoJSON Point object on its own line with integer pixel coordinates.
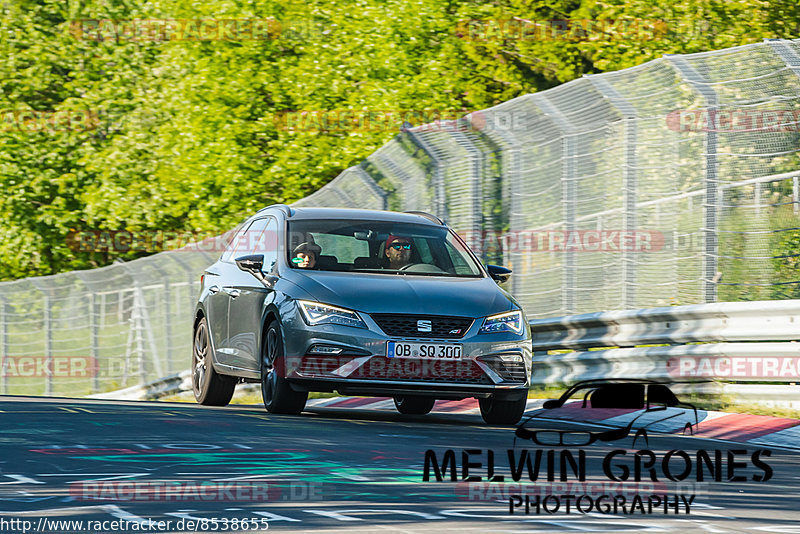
{"type": "Point", "coordinates": [345, 249]}
{"type": "Point", "coordinates": [268, 245]}
{"type": "Point", "coordinates": [423, 248]}
{"type": "Point", "coordinates": [248, 241]}
{"type": "Point", "coordinates": [238, 235]}
{"type": "Point", "coordinates": [459, 264]}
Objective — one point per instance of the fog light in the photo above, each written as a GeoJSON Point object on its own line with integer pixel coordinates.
{"type": "Point", "coordinates": [511, 358]}
{"type": "Point", "coordinates": [324, 349]}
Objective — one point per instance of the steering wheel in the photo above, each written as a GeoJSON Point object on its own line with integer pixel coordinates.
{"type": "Point", "coordinates": [406, 267]}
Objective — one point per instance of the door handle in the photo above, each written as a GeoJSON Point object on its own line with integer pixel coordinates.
{"type": "Point", "coordinates": [233, 293]}
{"type": "Point", "coordinates": [214, 289]}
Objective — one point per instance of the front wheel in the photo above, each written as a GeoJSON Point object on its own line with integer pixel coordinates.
{"type": "Point", "coordinates": [278, 395]}
{"type": "Point", "coordinates": [414, 405]}
{"type": "Point", "coordinates": [502, 412]}
{"type": "Point", "coordinates": [209, 387]}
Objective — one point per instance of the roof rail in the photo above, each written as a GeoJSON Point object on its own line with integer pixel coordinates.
{"type": "Point", "coordinates": [432, 218]}
{"type": "Point", "coordinates": [288, 210]}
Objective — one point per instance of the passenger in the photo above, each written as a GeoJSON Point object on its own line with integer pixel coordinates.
{"type": "Point", "coordinates": [398, 251]}
{"type": "Point", "coordinates": [305, 255]}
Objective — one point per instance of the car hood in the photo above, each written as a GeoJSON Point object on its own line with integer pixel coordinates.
{"type": "Point", "coordinates": [429, 295]}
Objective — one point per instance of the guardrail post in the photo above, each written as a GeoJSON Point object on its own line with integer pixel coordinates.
{"type": "Point", "coordinates": [630, 183]}
{"type": "Point", "coordinates": [712, 192]}
{"type": "Point", "coordinates": [569, 177]}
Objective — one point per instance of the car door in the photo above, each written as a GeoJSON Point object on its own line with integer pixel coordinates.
{"type": "Point", "coordinates": [217, 300]}
{"type": "Point", "coordinates": [248, 295]}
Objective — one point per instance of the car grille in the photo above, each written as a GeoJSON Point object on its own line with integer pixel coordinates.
{"type": "Point", "coordinates": [508, 371]}
{"type": "Point", "coordinates": [442, 326]}
{"type": "Point", "coordinates": [419, 370]}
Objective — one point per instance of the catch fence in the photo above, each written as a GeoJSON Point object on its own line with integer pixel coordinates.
{"type": "Point", "coordinates": [674, 182]}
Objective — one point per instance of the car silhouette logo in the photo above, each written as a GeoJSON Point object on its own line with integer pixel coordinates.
{"type": "Point", "coordinates": [424, 326]}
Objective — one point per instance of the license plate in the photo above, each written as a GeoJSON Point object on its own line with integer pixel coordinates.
{"type": "Point", "coordinates": [433, 351]}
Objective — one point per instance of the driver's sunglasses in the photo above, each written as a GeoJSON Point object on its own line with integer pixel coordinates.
{"type": "Point", "coordinates": [400, 246]}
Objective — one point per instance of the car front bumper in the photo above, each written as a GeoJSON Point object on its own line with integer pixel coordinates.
{"type": "Point", "coordinates": [493, 364]}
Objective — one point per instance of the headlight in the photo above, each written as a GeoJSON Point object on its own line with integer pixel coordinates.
{"type": "Point", "coordinates": [316, 314]}
{"type": "Point", "coordinates": [503, 322]}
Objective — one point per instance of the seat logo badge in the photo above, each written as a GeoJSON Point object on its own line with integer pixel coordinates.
{"type": "Point", "coordinates": [424, 326]}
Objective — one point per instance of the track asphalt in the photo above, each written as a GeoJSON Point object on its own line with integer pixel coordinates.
{"type": "Point", "coordinates": [355, 465]}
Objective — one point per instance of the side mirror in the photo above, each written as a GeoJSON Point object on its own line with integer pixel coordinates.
{"type": "Point", "coordinates": [551, 404]}
{"type": "Point", "coordinates": [252, 264]}
{"type": "Point", "coordinates": [498, 273]}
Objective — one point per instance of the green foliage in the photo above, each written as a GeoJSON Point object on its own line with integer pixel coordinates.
{"type": "Point", "coordinates": [185, 136]}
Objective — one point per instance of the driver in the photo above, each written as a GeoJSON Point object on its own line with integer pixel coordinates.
{"type": "Point", "coordinates": [305, 255]}
{"type": "Point", "coordinates": [398, 251]}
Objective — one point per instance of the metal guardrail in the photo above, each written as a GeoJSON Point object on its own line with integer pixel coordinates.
{"type": "Point", "coordinates": [739, 342]}
{"type": "Point", "coordinates": [724, 321]}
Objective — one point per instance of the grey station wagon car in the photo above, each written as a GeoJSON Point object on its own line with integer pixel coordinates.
{"type": "Point", "coordinates": [361, 302]}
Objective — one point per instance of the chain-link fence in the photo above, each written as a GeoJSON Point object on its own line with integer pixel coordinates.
{"type": "Point", "coordinates": [87, 332]}
{"type": "Point", "coordinates": [674, 182]}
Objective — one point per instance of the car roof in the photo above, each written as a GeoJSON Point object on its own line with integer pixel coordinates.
{"type": "Point", "coordinates": [359, 214]}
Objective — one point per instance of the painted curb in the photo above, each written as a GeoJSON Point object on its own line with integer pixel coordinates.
{"type": "Point", "coordinates": [756, 430]}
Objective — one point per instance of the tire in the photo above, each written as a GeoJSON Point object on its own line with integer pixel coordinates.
{"type": "Point", "coordinates": [502, 412]}
{"type": "Point", "coordinates": [210, 388]}
{"type": "Point", "coordinates": [414, 405]}
{"type": "Point", "coordinates": [277, 394]}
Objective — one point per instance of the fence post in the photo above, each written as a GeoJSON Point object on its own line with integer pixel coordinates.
{"type": "Point", "coordinates": [792, 60]}
{"type": "Point", "coordinates": [511, 174]}
{"type": "Point", "coordinates": [629, 178]}
{"type": "Point", "coordinates": [569, 177]}
{"type": "Point", "coordinates": [95, 341]}
{"type": "Point", "coordinates": [48, 344]}
{"type": "Point", "coordinates": [192, 279]}
{"type": "Point", "coordinates": [4, 344]}
{"type": "Point", "coordinates": [476, 170]}
{"type": "Point", "coordinates": [359, 171]}
{"type": "Point", "coordinates": [439, 195]}
{"type": "Point", "coordinates": [168, 325]}
{"type": "Point", "coordinates": [711, 182]}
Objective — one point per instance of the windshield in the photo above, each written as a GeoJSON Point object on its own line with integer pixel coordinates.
{"type": "Point", "coordinates": [379, 247]}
